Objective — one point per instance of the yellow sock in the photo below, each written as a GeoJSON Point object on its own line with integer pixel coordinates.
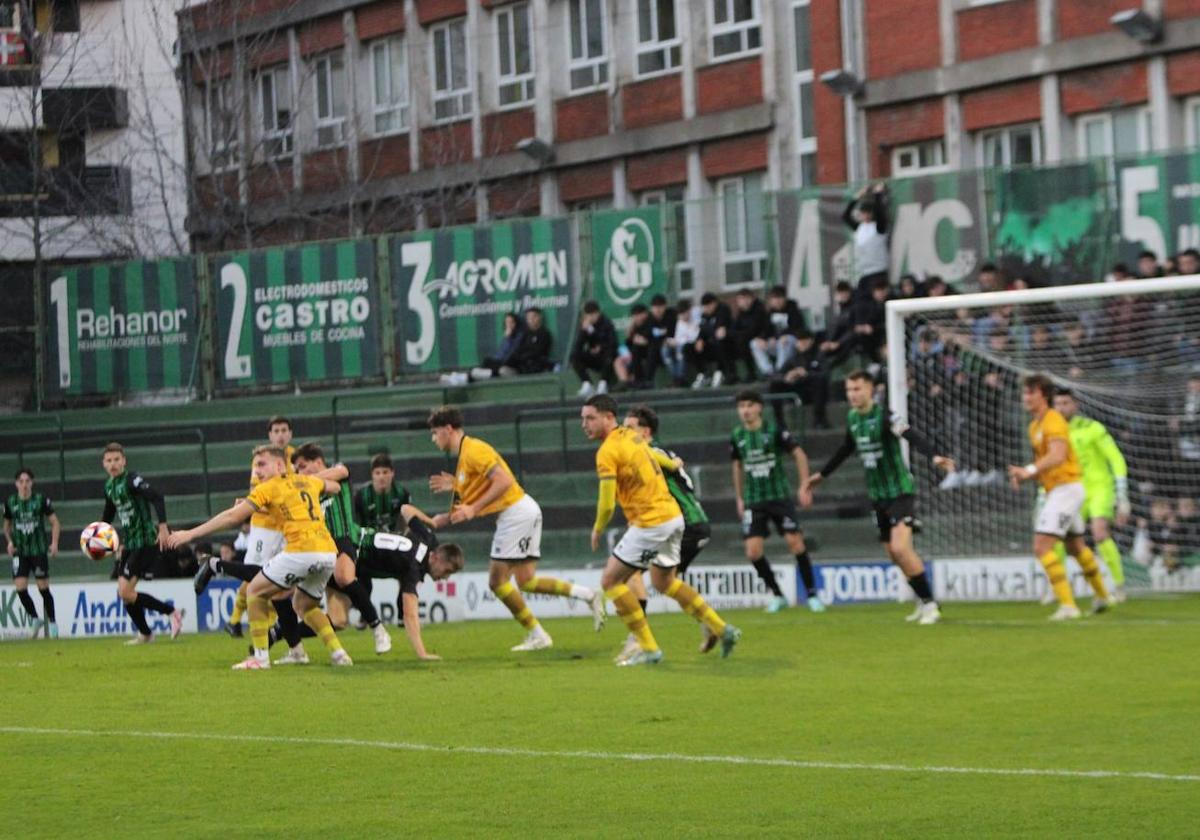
{"type": "Point", "coordinates": [257, 607]}
{"type": "Point", "coordinates": [272, 616]}
{"type": "Point", "coordinates": [511, 598]}
{"type": "Point", "coordinates": [1057, 573]}
{"type": "Point", "coordinates": [695, 606]}
{"type": "Point", "coordinates": [630, 610]}
{"type": "Point", "coordinates": [1112, 558]}
{"type": "Point", "coordinates": [239, 605]}
{"type": "Point", "coordinates": [1091, 571]}
{"type": "Point", "coordinates": [319, 622]}
{"type": "Point", "coordinates": [547, 586]}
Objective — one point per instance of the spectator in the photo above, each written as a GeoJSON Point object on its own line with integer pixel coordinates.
{"type": "Point", "coordinates": [639, 342]}
{"type": "Point", "coordinates": [595, 350]}
{"type": "Point", "coordinates": [867, 216]}
{"type": "Point", "coordinates": [772, 351]}
{"type": "Point", "coordinates": [1187, 518]}
{"type": "Point", "coordinates": [750, 323]}
{"type": "Point", "coordinates": [839, 337]}
{"type": "Point", "coordinates": [1189, 261]}
{"type": "Point", "coordinates": [1185, 422]}
{"type": "Point", "coordinates": [662, 327]}
{"type": "Point", "coordinates": [1169, 268]}
{"type": "Point", "coordinates": [711, 351]}
{"type": "Point", "coordinates": [1119, 272]}
{"type": "Point", "coordinates": [870, 321]}
{"type": "Point", "coordinates": [806, 375]}
{"type": "Point", "coordinates": [533, 347]}
{"type": "Point", "coordinates": [1075, 348]}
{"type": "Point", "coordinates": [492, 365]}
{"type": "Point", "coordinates": [1156, 538]}
{"type": "Point", "coordinates": [1125, 319]}
{"type": "Point", "coordinates": [990, 279]}
{"type": "Point", "coordinates": [1147, 265]}
{"type": "Point", "coordinates": [910, 288]}
{"type": "Point", "coordinates": [687, 330]}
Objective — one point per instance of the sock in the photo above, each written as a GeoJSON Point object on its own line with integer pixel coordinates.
{"type": "Point", "coordinates": [27, 603]}
{"type": "Point", "coordinates": [272, 613]}
{"type": "Point", "coordinates": [634, 617]}
{"type": "Point", "coordinates": [768, 576]}
{"type": "Point", "coordinates": [695, 606]}
{"type": "Point", "coordinates": [554, 586]}
{"type": "Point", "coordinates": [48, 602]}
{"type": "Point", "coordinates": [511, 598]}
{"type": "Point", "coordinates": [1112, 558]}
{"type": "Point", "coordinates": [289, 622]}
{"type": "Point", "coordinates": [148, 602]}
{"type": "Point", "coordinates": [259, 626]}
{"type": "Point", "coordinates": [1091, 571]}
{"type": "Point", "coordinates": [239, 605]}
{"type": "Point", "coordinates": [1057, 573]}
{"type": "Point", "coordinates": [362, 602]}
{"type": "Point", "coordinates": [245, 572]}
{"type": "Point", "coordinates": [805, 570]}
{"type": "Point", "coordinates": [137, 615]}
{"type": "Point", "coordinates": [319, 622]}
{"type": "Point", "coordinates": [920, 587]}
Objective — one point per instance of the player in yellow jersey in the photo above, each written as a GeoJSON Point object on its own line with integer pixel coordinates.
{"type": "Point", "coordinates": [1056, 466]}
{"type": "Point", "coordinates": [265, 539]}
{"type": "Point", "coordinates": [306, 561]}
{"type": "Point", "coordinates": [483, 484]}
{"type": "Point", "coordinates": [631, 476]}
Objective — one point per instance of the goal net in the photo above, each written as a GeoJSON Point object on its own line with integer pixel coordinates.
{"type": "Point", "coordinates": [1130, 354]}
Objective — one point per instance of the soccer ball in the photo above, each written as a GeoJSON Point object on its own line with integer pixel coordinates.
{"type": "Point", "coordinates": [99, 540]}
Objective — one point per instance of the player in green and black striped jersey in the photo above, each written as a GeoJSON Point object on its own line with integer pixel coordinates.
{"type": "Point", "coordinates": [758, 449]}
{"type": "Point", "coordinates": [379, 503]}
{"type": "Point", "coordinates": [25, 516]}
{"type": "Point", "coordinates": [876, 436]}
{"type": "Point", "coordinates": [128, 502]}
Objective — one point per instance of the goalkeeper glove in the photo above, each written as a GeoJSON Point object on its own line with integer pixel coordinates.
{"type": "Point", "coordinates": [1123, 506]}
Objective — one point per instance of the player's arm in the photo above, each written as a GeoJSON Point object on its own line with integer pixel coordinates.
{"type": "Point", "coordinates": [1057, 449]}
{"type": "Point", "coordinates": [223, 521]}
{"type": "Point", "coordinates": [921, 444]}
{"type": "Point", "coordinates": [843, 452]}
{"type": "Point", "coordinates": [338, 472]}
{"type": "Point", "coordinates": [411, 512]}
{"type": "Point", "coordinates": [410, 607]}
{"type": "Point", "coordinates": [738, 477]}
{"type": "Point", "coordinates": [499, 483]}
{"type": "Point", "coordinates": [606, 505]}
{"type": "Point", "coordinates": [142, 488]}
{"type": "Point", "coordinates": [8, 530]}
{"type": "Point", "coordinates": [1120, 470]}
{"type": "Point", "coordinates": [110, 511]}
{"type": "Point", "coordinates": [55, 531]}
{"type": "Point", "coordinates": [666, 461]}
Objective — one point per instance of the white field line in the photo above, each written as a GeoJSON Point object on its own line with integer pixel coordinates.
{"type": "Point", "coordinates": [590, 755]}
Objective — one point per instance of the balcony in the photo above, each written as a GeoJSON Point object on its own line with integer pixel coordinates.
{"type": "Point", "coordinates": [85, 108]}
{"type": "Point", "coordinates": [94, 191]}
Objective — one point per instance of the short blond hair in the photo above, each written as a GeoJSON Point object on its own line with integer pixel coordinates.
{"type": "Point", "coordinates": [271, 451]}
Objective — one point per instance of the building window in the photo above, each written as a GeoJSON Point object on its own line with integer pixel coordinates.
{"type": "Point", "coordinates": [1191, 128]}
{"type": "Point", "coordinates": [220, 113]}
{"type": "Point", "coordinates": [1123, 132]}
{"type": "Point", "coordinates": [743, 230]}
{"type": "Point", "coordinates": [452, 98]}
{"type": "Point", "coordinates": [1017, 145]}
{"type": "Point", "coordinates": [275, 110]}
{"type": "Point", "coordinates": [675, 231]}
{"type": "Point", "coordinates": [330, 71]}
{"type": "Point", "coordinates": [389, 85]}
{"type": "Point", "coordinates": [590, 205]}
{"type": "Point", "coordinates": [928, 156]}
{"type": "Point", "coordinates": [806, 124]}
{"type": "Point", "coordinates": [589, 45]}
{"type": "Point", "coordinates": [736, 29]}
{"type": "Point", "coordinates": [515, 49]}
{"type": "Point", "coordinates": [658, 44]}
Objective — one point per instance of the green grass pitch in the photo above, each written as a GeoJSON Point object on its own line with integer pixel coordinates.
{"type": "Point", "coordinates": [881, 729]}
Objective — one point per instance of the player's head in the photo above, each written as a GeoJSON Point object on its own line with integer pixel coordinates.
{"type": "Point", "coordinates": [860, 389]}
{"type": "Point", "coordinates": [1037, 392]}
{"type": "Point", "coordinates": [445, 560]}
{"type": "Point", "coordinates": [1065, 403]}
{"type": "Point", "coordinates": [644, 420]}
{"type": "Point", "coordinates": [590, 313]}
{"type": "Point", "coordinates": [308, 459]}
{"type": "Point", "coordinates": [279, 431]}
{"type": "Point", "coordinates": [598, 416]}
{"type": "Point", "coordinates": [382, 472]}
{"type": "Point", "coordinates": [24, 481]}
{"type": "Point", "coordinates": [269, 461]}
{"type": "Point", "coordinates": [749, 407]}
{"type": "Point", "coordinates": [445, 426]}
{"type": "Point", "coordinates": [113, 459]}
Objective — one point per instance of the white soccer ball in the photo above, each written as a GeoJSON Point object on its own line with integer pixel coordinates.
{"type": "Point", "coordinates": [99, 541]}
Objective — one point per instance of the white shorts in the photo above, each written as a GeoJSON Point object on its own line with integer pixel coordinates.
{"type": "Point", "coordinates": [518, 532]}
{"type": "Point", "coordinates": [1060, 514]}
{"type": "Point", "coordinates": [308, 571]}
{"type": "Point", "coordinates": [658, 544]}
{"type": "Point", "coordinates": [262, 544]}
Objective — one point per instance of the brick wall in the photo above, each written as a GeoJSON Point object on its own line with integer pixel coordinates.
{"type": "Point", "coordinates": [504, 129]}
{"type": "Point", "coordinates": [325, 170]}
{"type": "Point", "coordinates": [656, 170]}
{"type": "Point", "coordinates": [268, 51]}
{"type": "Point", "coordinates": [1002, 105]}
{"type": "Point", "coordinates": [385, 157]}
{"type": "Point", "coordinates": [320, 35]}
{"type": "Point", "coordinates": [1102, 88]}
{"type": "Point", "coordinates": [581, 116]}
{"type": "Point", "coordinates": [382, 18]}
{"type": "Point", "coordinates": [988, 30]}
{"type": "Point", "coordinates": [266, 181]}
{"type": "Point", "coordinates": [1180, 8]}
{"type": "Point", "coordinates": [898, 125]}
{"type": "Point", "coordinates": [1077, 18]}
{"type": "Point", "coordinates": [582, 183]}
{"type": "Point", "coordinates": [214, 190]}
{"type": "Point", "coordinates": [825, 27]}
{"type": "Point", "coordinates": [1183, 73]}
{"type": "Point", "coordinates": [653, 101]}
{"type": "Point", "coordinates": [447, 144]}
{"type": "Point", "coordinates": [431, 11]}
{"type": "Point", "coordinates": [732, 84]}
{"type": "Point", "coordinates": [723, 158]}
{"type": "Point", "coordinates": [515, 197]}
{"type": "Point", "coordinates": [901, 37]}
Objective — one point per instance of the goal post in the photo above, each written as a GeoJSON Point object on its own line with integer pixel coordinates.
{"type": "Point", "coordinates": [1128, 351]}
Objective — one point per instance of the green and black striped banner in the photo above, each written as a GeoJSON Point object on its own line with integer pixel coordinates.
{"type": "Point", "coordinates": [1159, 205]}
{"type": "Point", "coordinates": [304, 314]}
{"type": "Point", "coordinates": [628, 262]}
{"type": "Point", "coordinates": [452, 288]}
{"type": "Point", "coordinates": [122, 328]}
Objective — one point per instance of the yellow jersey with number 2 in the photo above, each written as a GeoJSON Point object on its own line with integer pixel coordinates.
{"type": "Point", "coordinates": [295, 500]}
{"type": "Point", "coordinates": [641, 489]}
{"type": "Point", "coordinates": [1053, 426]}
{"type": "Point", "coordinates": [264, 520]}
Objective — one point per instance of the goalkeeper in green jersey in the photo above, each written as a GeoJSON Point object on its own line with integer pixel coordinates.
{"type": "Point", "coordinates": [1105, 482]}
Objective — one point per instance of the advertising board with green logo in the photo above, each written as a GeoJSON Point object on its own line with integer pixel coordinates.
{"type": "Point", "coordinates": [1159, 202]}
{"type": "Point", "coordinates": [628, 263]}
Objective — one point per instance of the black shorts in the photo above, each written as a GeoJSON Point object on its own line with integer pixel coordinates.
{"type": "Point", "coordinates": [892, 512]}
{"type": "Point", "coordinates": [135, 562]}
{"type": "Point", "coordinates": [346, 546]}
{"type": "Point", "coordinates": [756, 522]}
{"type": "Point", "coordinates": [31, 565]}
{"type": "Point", "coordinates": [695, 537]}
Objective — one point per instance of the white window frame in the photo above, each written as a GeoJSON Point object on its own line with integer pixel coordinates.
{"type": "Point", "coordinates": [1191, 120]}
{"type": "Point", "coordinates": [522, 83]}
{"type": "Point", "coordinates": [16, 25]}
{"type": "Point", "coordinates": [670, 49]}
{"type": "Point", "coordinates": [1005, 136]}
{"type": "Point", "coordinates": [757, 259]}
{"type": "Point", "coordinates": [224, 153]}
{"type": "Point", "coordinates": [901, 171]}
{"type": "Point", "coordinates": [331, 128]}
{"type": "Point", "coordinates": [1105, 118]}
{"type": "Point", "coordinates": [396, 103]}
{"type": "Point", "coordinates": [460, 99]}
{"type": "Point", "coordinates": [683, 269]}
{"type": "Point", "coordinates": [746, 30]}
{"type": "Point", "coordinates": [805, 145]}
{"type": "Point", "coordinates": [277, 142]}
{"type": "Point", "coordinates": [578, 24]}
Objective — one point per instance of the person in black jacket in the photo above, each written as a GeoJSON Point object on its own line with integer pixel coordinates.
{"type": "Point", "coordinates": [662, 327]}
{"type": "Point", "coordinates": [712, 348]}
{"type": "Point", "coordinates": [639, 338]}
{"type": "Point", "coordinates": [532, 354]}
{"type": "Point", "coordinates": [839, 338]}
{"type": "Point", "coordinates": [805, 374]}
{"type": "Point", "coordinates": [772, 351]}
{"type": "Point", "coordinates": [750, 323]}
{"type": "Point", "coordinates": [595, 349]}
{"type": "Point", "coordinates": [870, 321]}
